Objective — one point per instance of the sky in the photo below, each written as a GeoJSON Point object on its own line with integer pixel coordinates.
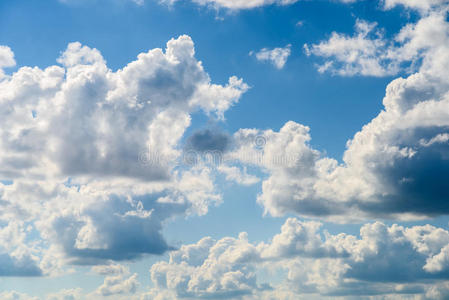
{"type": "Point", "coordinates": [224, 149]}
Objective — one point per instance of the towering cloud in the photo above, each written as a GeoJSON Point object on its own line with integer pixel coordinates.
{"type": "Point", "coordinates": [87, 155]}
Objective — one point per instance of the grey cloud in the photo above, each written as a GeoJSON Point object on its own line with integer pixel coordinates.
{"type": "Point", "coordinates": [208, 140]}
{"type": "Point", "coordinates": [24, 266]}
{"type": "Point", "coordinates": [122, 231]}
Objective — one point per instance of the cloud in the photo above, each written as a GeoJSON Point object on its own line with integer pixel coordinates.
{"type": "Point", "coordinates": [13, 295]}
{"type": "Point", "coordinates": [384, 260]}
{"type": "Point", "coordinates": [208, 140]}
{"type": "Point", "coordinates": [64, 294]}
{"type": "Point", "coordinates": [91, 154]}
{"type": "Point", "coordinates": [151, 97]}
{"type": "Point", "coordinates": [396, 166]}
{"type": "Point", "coordinates": [277, 56]}
{"type": "Point", "coordinates": [238, 175]}
{"type": "Point", "coordinates": [16, 258]}
{"type": "Point", "coordinates": [423, 6]}
{"type": "Point", "coordinates": [233, 5]}
{"type": "Point", "coordinates": [369, 53]}
{"type": "Point", "coordinates": [208, 269]}
{"type": "Point", "coordinates": [118, 280]}
{"type": "Point", "coordinates": [365, 53]}
{"type": "Point", "coordinates": [6, 59]}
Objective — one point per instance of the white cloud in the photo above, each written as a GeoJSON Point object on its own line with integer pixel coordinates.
{"type": "Point", "coordinates": [369, 53]}
{"type": "Point", "coordinates": [308, 262]}
{"type": "Point", "coordinates": [395, 167]}
{"type": "Point", "coordinates": [6, 59]}
{"type": "Point", "coordinates": [118, 280]}
{"type": "Point", "coordinates": [208, 269]}
{"type": "Point", "coordinates": [237, 175]}
{"type": "Point", "coordinates": [235, 5]}
{"type": "Point", "coordinates": [424, 6]}
{"type": "Point", "coordinates": [16, 257]}
{"type": "Point", "coordinates": [365, 53]}
{"type": "Point", "coordinates": [13, 295]}
{"type": "Point", "coordinates": [277, 56]}
{"type": "Point", "coordinates": [72, 139]}
{"type": "Point", "coordinates": [66, 294]}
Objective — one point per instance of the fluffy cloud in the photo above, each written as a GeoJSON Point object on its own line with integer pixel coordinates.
{"type": "Point", "coordinates": [238, 175]}
{"type": "Point", "coordinates": [66, 294]}
{"type": "Point", "coordinates": [389, 261]}
{"type": "Point", "coordinates": [277, 56]}
{"type": "Point", "coordinates": [118, 280]}
{"type": "Point", "coordinates": [6, 59]}
{"type": "Point", "coordinates": [369, 53]}
{"type": "Point", "coordinates": [16, 258]}
{"type": "Point", "coordinates": [396, 166]}
{"type": "Point", "coordinates": [424, 6]}
{"type": "Point", "coordinates": [365, 53]}
{"type": "Point", "coordinates": [90, 155]}
{"type": "Point", "coordinates": [208, 269]}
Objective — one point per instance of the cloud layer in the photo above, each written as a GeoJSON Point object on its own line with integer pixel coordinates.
{"type": "Point", "coordinates": [390, 261]}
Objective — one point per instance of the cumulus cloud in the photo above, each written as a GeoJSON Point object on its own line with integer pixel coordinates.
{"type": "Point", "coordinates": [118, 280]}
{"type": "Point", "coordinates": [396, 166]}
{"type": "Point", "coordinates": [13, 295]}
{"type": "Point", "coordinates": [208, 269]}
{"type": "Point", "coordinates": [66, 294]}
{"type": "Point", "coordinates": [6, 59]}
{"type": "Point", "coordinates": [16, 258]}
{"type": "Point", "coordinates": [238, 175]}
{"type": "Point", "coordinates": [365, 53]}
{"type": "Point", "coordinates": [385, 260]}
{"type": "Point", "coordinates": [423, 6]}
{"type": "Point", "coordinates": [277, 56]}
{"type": "Point", "coordinates": [369, 53]}
{"type": "Point", "coordinates": [90, 154]}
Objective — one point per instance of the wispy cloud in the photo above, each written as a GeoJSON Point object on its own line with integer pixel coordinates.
{"type": "Point", "coordinates": [277, 56]}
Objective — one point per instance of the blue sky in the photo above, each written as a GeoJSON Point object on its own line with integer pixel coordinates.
{"type": "Point", "coordinates": [104, 102]}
